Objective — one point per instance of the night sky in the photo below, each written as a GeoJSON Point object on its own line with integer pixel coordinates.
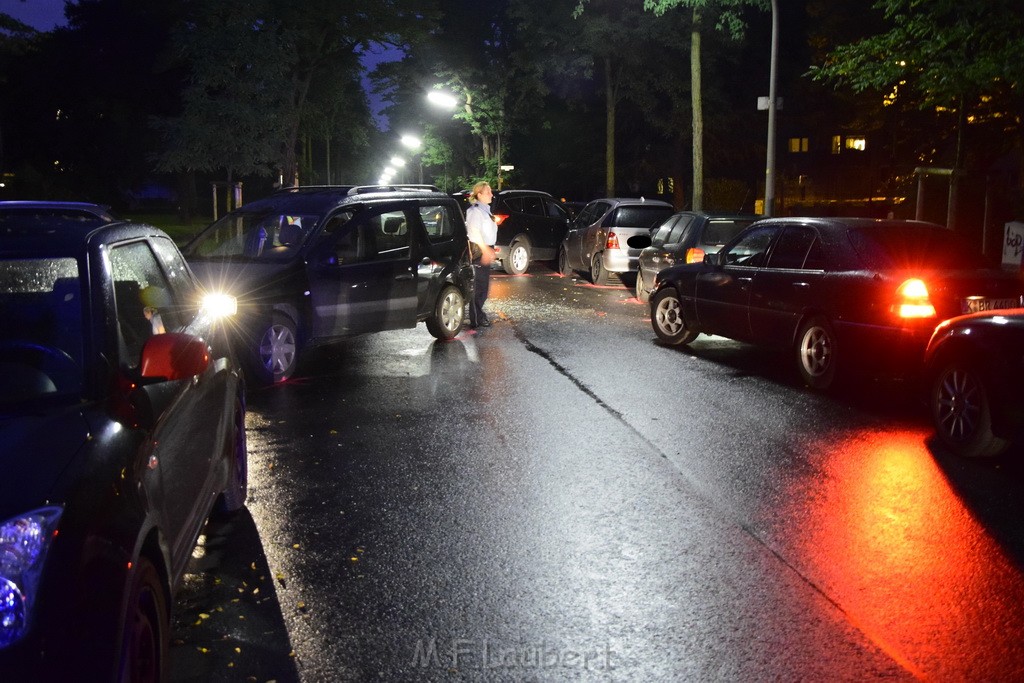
{"type": "Point", "coordinates": [43, 15]}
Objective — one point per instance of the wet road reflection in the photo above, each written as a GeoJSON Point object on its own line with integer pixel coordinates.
{"type": "Point", "coordinates": [887, 538]}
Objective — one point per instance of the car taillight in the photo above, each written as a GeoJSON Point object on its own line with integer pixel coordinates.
{"type": "Point", "coordinates": [612, 242]}
{"type": "Point", "coordinates": [912, 300]}
{"type": "Point", "coordinates": [499, 218]}
{"type": "Point", "coordinates": [694, 255]}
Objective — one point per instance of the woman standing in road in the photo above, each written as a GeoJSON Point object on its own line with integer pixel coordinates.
{"type": "Point", "coordinates": [483, 233]}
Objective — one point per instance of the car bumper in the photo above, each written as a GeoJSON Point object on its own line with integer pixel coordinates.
{"type": "Point", "coordinates": [886, 349]}
{"type": "Point", "coordinates": [619, 261]}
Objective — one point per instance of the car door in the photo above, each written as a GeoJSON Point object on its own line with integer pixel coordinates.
{"type": "Point", "coordinates": [556, 221]}
{"type": "Point", "coordinates": [788, 285]}
{"type": "Point", "coordinates": [722, 292]}
{"type": "Point", "coordinates": [150, 298]}
{"type": "Point", "coordinates": [362, 277]}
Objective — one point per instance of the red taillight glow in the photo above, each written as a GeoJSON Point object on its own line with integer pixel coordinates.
{"type": "Point", "coordinates": [694, 255]}
{"type": "Point", "coordinates": [912, 300]}
{"type": "Point", "coordinates": [499, 218]}
{"type": "Point", "coordinates": [612, 242]}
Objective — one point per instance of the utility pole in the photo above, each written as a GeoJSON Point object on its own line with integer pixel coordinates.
{"type": "Point", "coordinates": [769, 174]}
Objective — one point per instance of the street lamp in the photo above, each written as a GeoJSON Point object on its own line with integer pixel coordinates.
{"type": "Point", "coordinates": [442, 99]}
{"type": "Point", "coordinates": [769, 174]}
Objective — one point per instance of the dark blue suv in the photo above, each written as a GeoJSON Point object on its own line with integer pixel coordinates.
{"type": "Point", "coordinates": [311, 265]}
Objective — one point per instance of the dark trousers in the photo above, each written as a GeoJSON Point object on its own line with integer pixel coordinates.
{"type": "Point", "coordinates": [481, 285]}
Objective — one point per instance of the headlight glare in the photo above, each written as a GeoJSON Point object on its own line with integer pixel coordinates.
{"type": "Point", "coordinates": [24, 541]}
{"type": "Point", "coordinates": [220, 305]}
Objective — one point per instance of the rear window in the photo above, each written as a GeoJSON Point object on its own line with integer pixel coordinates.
{"type": "Point", "coordinates": [895, 247]}
{"type": "Point", "coordinates": [719, 231]}
{"type": "Point", "coordinates": [638, 216]}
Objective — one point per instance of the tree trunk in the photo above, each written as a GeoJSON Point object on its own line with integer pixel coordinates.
{"type": "Point", "coordinates": [696, 102]}
{"type": "Point", "coordinates": [609, 130]}
{"type": "Point", "coordinates": [953, 206]}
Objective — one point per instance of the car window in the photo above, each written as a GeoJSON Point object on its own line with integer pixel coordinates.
{"type": "Point", "coordinates": [262, 236]}
{"type": "Point", "coordinates": [637, 216]}
{"type": "Point", "coordinates": [720, 231]}
{"type": "Point", "coordinates": [661, 233]}
{"type": "Point", "coordinates": [553, 210]}
{"type": "Point", "coordinates": [144, 299]}
{"type": "Point", "coordinates": [513, 203]}
{"type": "Point", "coordinates": [679, 229]}
{"type": "Point", "coordinates": [41, 338]}
{"type": "Point", "coordinates": [750, 249]}
{"type": "Point", "coordinates": [888, 247]}
{"type": "Point", "coordinates": [373, 235]}
{"type": "Point", "coordinates": [589, 214]}
{"type": "Point", "coordinates": [533, 206]}
{"type": "Point", "coordinates": [437, 220]}
{"type": "Point", "coordinates": [791, 249]}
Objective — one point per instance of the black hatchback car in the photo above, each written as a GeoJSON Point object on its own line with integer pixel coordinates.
{"type": "Point", "coordinates": [123, 425]}
{"type": "Point", "coordinates": [531, 225]}
{"type": "Point", "coordinates": [311, 265]}
{"type": "Point", "coordinates": [832, 290]}
{"type": "Point", "coordinates": [685, 237]}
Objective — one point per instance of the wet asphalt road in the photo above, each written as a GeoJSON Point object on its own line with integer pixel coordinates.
{"type": "Point", "coordinates": [560, 498]}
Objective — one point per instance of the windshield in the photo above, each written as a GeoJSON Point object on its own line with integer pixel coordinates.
{"type": "Point", "coordinates": [898, 247]}
{"type": "Point", "coordinates": [41, 337]}
{"type": "Point", "coordinates": [266, 236]}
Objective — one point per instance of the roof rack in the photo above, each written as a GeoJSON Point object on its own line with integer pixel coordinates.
{"type": "Point", "coordinates": [366, 189]}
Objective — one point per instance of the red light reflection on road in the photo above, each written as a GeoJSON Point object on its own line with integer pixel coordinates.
{"type": "Point", "coordinates": [889, 541]}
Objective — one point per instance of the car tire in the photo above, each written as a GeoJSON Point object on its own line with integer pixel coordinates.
{"type": "Point", "coordinates": [961, 411]}
{"type": "Point", "coordinates": [517, 261]}
{"type": "Point", "coordinates": [667, 318]}
{"type": "Point", "coordinates": [641, 294]}
{"type": "Point", "coordinates": [146, 627]}
{"type": "Point", "coordinates": [236, 452]}
{"type": "Point", "coordinates": [598, 274]}
{"type": "Point", "coordinates": [816, 353]}
{"type": "Point", "coordinates": [276, 354]}
{"type": "Point", "coordinates": [446, 319]}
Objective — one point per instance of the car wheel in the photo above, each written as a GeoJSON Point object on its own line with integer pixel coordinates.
{"type": "Point", "coordinates": [518, 259]}
{"type": "Point", "coordinates": [816, 353]}
{"type": "Point", "coordinates": [563, 263]}
{"type": "Point", "coordinates": [643, 295]}
{"type": "Point", "coordinates": [446, 320]}
{"type": "Point", "coordinates": [146, 628]}
{"type": "Point", "coordinates": [667, 318]}
{"type": "Point", "coordinates": [277, 350]}
{"type": "Point", "coordinates": [961, 412]}
{"type": "Point", "coordinates": [236, 452]}
{"type": "Point", "coordinates": [598, 274]}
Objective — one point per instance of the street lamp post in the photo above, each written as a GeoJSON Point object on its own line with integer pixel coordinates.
{"type": "Point", "coordinates": [769, 174]}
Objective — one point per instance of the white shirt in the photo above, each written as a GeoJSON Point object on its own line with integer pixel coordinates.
{"type": "Point", "coordinates": [480, 227]}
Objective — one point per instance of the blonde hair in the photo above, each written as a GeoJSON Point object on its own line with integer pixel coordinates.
{"type": "Point", "coordinates": [477, 189]}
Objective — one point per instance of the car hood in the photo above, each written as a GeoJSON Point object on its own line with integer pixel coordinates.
{"type": "Point", "coordinates": [37, 443]}
{"type": "Point", "coordinates": [246, 280]}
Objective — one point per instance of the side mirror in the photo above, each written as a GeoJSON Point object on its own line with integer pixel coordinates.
{"type": "Point", "coordinates": [173, 356]}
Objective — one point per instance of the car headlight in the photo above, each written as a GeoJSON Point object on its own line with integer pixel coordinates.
{"type": "Point", "coordinates": [24, 541]}
{"type": "Point", "coordinates": [219, 305]}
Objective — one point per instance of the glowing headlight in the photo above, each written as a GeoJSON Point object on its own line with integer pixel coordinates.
{"type": "Point", "coordinates": [220, 305]}
{"type": "Point", "coordinates": [24, 541]}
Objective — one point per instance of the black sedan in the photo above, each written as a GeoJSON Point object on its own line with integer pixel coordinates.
{"type": "Point", "coordinates": [122, 428]}
{"type": "Point", "coordinates": [833, 291]}
{"type": "Point", "coordinates": [975, 368]}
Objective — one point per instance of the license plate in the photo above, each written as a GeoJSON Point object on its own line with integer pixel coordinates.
{"type": "Point", "coordinates": [976, 304]}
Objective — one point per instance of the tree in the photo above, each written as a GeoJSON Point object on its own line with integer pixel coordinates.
{"type": "Point", "coordinates": [729, 20]}
{"type": "Point", "coordinates": [261, 73]}
{"type": "Point", "coordinates": [960, 59]}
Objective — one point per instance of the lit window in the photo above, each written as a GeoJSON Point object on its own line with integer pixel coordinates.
{"type": "Point", "coordinates": [856, 143]}
{"type": "Point", "coordinates": [798, 144]}
{"type": "Point", "coordinates": [837, 141]}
